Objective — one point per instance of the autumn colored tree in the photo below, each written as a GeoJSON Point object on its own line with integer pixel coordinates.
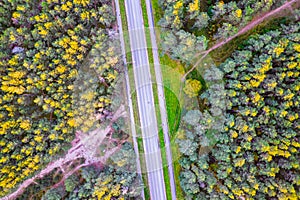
{"type": "Point", "coordinates": [50, 52]}
{"type": "Point", "coordinates": [256, 148]}
{"type": "Point", "coordinates": [192, 87]}
{"type": "Point", "coordinates": [100, 149]}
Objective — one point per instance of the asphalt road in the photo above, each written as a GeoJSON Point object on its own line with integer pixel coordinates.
{"type": "Point", "coordinates": [161, 99]}
{"type": "Point", "coordinates": [129, 100]}
{"type": "Point", "coordinates": [145, 100]}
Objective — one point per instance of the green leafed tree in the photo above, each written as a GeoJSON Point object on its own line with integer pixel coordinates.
{"type": "Point", "coordinates": [256, 153]}
{"type": "Point", "coordinates": [181, 45]}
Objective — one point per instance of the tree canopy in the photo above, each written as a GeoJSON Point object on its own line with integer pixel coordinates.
{"type": "Point", "coordinates": [255, 153]}
{"type": "Point", "coordinates": [58, 66]}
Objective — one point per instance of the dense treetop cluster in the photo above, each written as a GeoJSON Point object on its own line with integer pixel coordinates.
{"type": "Point", "coordinates": [190, 24]}
{"type": "Point", "coordinates": [115, 180]}
{"type": "Point", "coordinates": [194, 15]}
{"type": "Point", "coordinates": [59, 62]}
{"type": "Point", "coordinates": [246, 143]}
{"type": "Point", "coordinates": [57, 69]}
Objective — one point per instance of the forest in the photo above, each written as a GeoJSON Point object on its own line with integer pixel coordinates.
{"type": "Point", "coordinates": [241, 139]}
{"type": "Point", "coordinates": [59, 62]}
{"type": "Point", "coordinates": [63, 130]}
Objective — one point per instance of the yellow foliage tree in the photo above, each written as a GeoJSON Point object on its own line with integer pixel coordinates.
{"type": "Point", "coordinates": [192, 87]}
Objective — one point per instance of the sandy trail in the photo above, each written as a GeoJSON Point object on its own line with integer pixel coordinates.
{"type": "Point", "coordinates": [85, 148]}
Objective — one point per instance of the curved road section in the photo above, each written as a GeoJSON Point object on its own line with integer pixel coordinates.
{"type": "Point", "coordinates": [145, 99]}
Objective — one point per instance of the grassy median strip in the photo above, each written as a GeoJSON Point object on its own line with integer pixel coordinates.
{"type": "Point", "coordinates": [146, 24]}
{"type": "Point", "coordinates": [125, 32]}
{"type": "Point", "coordinates": [133, 97]}
{"type": "Point", "coordinates": [156, 102]}
{"type": "Point", "coordinates": [140, 146]}
{"type": "Point", "coordinates": [171, 73]}
{"type": "Point", "coordinates": [157, 11]}
{"type": "Point", "coordinates": [172, 96]}
{"type": "Point", "coordinates": [162, 144]}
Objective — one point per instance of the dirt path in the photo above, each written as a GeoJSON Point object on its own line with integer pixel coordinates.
{"type": "Point", "coordinates": [251, 25]}
{"type": "Point", "coordinates": [85, 148]}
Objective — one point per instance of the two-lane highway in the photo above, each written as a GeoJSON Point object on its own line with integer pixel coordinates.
{"type": "Point", "coordinates": [128, 90]}
{"type": "Point", "coordinates": [161, 99]}
{"type": "Point", "coordinates": [145, 99]}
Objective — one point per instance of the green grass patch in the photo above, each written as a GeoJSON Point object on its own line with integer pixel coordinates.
{"type": "Point", "coordinates": [140, 145]}
{"type": "Point", "coordinates": [157, 11]}
{"type": "Point", "coordinates": [125, 31]}
{"type": "Point", "coordinates": [177, 169]}
{"type": "Point", "coordinates": [143, 166]}
{"type": "Point", "coordinates": [172, 72]}
{"type": "Point", "coordinates": [133, 97]}
{"type": "Point", "coordinates": [172, 102]}
{"type": "Point", "coordinates": [166, 60]}
{"type": "Point", "coordinates": [157, 15]}
{"type": "Point", "coordinates": [156, 102]}
{"type": "Point", "coordinates": [173, 120]}
{"type": "Point", "coordinates": [147, 31]}
{"type": "Point", "coordinates": [162, 145]}
{"type": "Point", "coordinates": [131, 77]}
{"type": "Point", "coordinates": [166, 177]}
{"type": "Point", "coordinates": [173, 110]}
{"type": "Point", "coordinates": [144, 10]}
